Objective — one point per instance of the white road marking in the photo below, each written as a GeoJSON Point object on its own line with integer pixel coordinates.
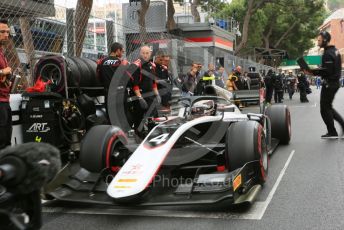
{"type": "Point", "coordinates": [274, 188]}
{"type": "Point", "coordinates": [255, 212]}
{"type": "Point", "coordinates": [303, 106]}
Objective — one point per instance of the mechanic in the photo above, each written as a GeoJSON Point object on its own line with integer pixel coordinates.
{"type": "Point", "coordinates": [268, 80]}
{"type": "Point", "coordinates": [163, 76]}
{"type": "Point", "coordinates": [330, 72]}
{"type": "Point", "coordinates": [284, 78]}
{"type": "Point", "coordinates": [208, 78]}
{"type": "Point", "coordinates": [233, 79]}
{"type": "Point", "coordinates": [285, 88]}
{"type": "Point", "coordinates": [5, 88]}
{"type": "Point", "coordinates": [303, 85]}
{"type": "Point", "coordinates": [278, 87]}
{"type": "Point", "coordinates": [106, 67]}
{"type": "Point", "coordinates": [211, 72]}
{"type": "Point", "coordinates": [142, 73]}
{"type": "Point", "coordinates": [291, 83]}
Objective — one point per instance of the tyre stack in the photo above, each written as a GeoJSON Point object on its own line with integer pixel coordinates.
{"type": "Point", "coordinates": [79, 74]}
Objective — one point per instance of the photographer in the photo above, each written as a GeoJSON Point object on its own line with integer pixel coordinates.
{"type": "Point", "coordinates": [5, 87]}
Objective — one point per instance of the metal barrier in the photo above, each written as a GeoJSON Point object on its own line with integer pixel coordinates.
{"type": "Point", "coordinates": [53, 30]}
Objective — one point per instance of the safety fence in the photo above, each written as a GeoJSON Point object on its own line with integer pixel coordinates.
{"type": "Point", "coordinates": [42, 28]}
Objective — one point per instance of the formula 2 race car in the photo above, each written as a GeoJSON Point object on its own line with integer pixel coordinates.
{"type": "Point", "coordinates": [208, 154]}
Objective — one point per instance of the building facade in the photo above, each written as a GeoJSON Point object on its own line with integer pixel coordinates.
{"type": "Point", "coordinates": [334, 24]}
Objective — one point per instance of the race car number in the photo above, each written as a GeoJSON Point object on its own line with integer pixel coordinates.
{"type": "Point", "coordinates": [159, 139]}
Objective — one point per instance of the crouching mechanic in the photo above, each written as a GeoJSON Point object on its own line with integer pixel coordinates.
{"type": "Point", "coordinates": [142, 73]}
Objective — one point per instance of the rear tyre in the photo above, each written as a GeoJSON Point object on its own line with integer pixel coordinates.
{"type": "Point", "coordinates": [245, 142]}
{"type": "Point", "coordinates": [280, 122]}
{"type": "Point", "coordinates": [99, 145]}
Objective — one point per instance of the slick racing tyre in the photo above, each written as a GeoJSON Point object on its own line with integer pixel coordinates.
{"type": "Point", "coordinates": [245, 142]}
{"type": "Point", "coordinates": [280, 123]}
{"type": "Point", "coordinates": [99, 146]}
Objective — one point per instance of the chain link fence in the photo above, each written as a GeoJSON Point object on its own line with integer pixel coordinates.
{"type": "Point", "coordinates": [41, 28]}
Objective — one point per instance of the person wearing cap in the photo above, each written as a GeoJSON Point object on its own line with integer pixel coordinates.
{"type": "Point", "coordinates": [330, 72]}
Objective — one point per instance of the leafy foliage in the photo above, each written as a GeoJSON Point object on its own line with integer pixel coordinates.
{"type": "Point", "coordinates": [284, 24]}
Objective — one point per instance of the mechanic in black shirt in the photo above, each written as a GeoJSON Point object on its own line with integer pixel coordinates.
{"type": "Point", "coordinates": [142, 72]}
{"type": "Point", "coordinates": [290, 82]}
{"type": "Point", "coordinates": [330, 72]}
{"type": "Point", "coordinates": [268, 80]}
{"type": "Point", "coordinates": [277, 82]}
{"type": "Point", "coordinates": [302, 85]}
{"type": "Point", "coordinates": [106, 67]}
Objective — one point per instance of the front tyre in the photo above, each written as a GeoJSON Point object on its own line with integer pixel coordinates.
{"type": "Point", "coordinates": [100, 146]}
{"type": "Point", "coordinates": [245, 142]}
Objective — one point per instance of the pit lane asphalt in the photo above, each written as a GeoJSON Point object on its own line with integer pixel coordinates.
{"type": "Point", "coordinates": [309, 195]}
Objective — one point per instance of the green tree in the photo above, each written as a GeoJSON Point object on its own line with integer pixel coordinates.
{"type": "Point", "coordinates": [292, 31]}
{"type": "Point", "coordinates": [283, 24]}
{"type": "Point", "coordinates": [247, 13]}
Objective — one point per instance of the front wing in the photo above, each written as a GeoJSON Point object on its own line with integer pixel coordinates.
{"type": "Point", "coordinates": [242, 186]}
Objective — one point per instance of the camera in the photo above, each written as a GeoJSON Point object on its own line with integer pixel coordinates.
{"type": "Point", "coordinates": [24, 170]}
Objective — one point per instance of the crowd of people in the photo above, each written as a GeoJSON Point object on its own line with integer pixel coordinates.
{"type": "Point", "coordinates": [277, 84]}
{"type": "Point", "coordinates": [149, 82]}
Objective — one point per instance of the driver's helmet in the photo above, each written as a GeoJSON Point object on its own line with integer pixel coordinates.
{"type": "Point", "coordinates": [203, 108]}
